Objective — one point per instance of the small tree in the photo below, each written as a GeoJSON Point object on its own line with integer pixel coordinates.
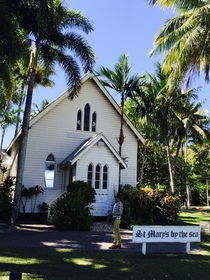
{"type": "Point", "coordinates": [30, 193]}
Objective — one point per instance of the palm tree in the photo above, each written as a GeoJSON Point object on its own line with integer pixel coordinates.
{"type": "Point", "coordinates": [144, 101]}
{"type": "Point", "coordinates": [48, 25]}
{"type": "Point", "coordinates": [21, 71]}
{"type": "Point", "coordinates": [120, 81]}
{"type": "Point", "coordinates": [8, 98]}
{"type": "Point", "coordinates": [177, 118]}
{"type": "Point", "coordinates": [185, 39]}
{"type": "Point", "coordinates": [8, 116]}
{"type": "Point", "coordinates": [195, 129]}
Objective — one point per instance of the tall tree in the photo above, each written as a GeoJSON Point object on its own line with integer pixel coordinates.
{"type": "Point", "coordinates": [8, 112]}
{"type": "Point", "coordinates": [178, 118]}
{"type": "Point", "coordinates": [48, 24]}
{"type": "Point", "coordinates": [170, 117]}
{"type": "Point", "coordinates": [120, 81]}
{"type": "Point", "coordinates": [185, 38]}
{"type": "Point", "coordinates": [144, 101]}
{"type": "Point", "coordinates": [8, 104]}
{"type": "Point", "coordinates": [43, 72]}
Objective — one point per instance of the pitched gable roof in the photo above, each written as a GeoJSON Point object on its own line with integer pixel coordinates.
{"type": "Point", "coordinates": [88, 76]}
{"type": "Point", "coordinates": [85, 146]}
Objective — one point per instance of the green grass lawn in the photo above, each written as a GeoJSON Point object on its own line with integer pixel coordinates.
{"type": "Point", "coordinates": [193, 216]}
{"type": "Point", "coordinates": [63, 264]}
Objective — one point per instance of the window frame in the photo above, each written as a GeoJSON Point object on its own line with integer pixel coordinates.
{"type": "Point", "coordinates": [93, 123]}
{"type": "Point", "coordinates": [86, 125]}
{"type": "Point", "coordinates": [79, 119]}
{"type": "Point", "coordinates": [50, 160]}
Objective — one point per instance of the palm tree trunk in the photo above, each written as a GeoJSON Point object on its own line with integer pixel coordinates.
{"type": "Point", "coordinates": [142, 165]}
{"type": "Point", "coordinates": [2, 138]}
{"type": "Point", "coordinates": [144, 154]}
{"type": "Point", "coordinates": [121, 137]}
{"type": "Point", "coordinates": [170, 168]}
{"type": "Point", "coordinates": [176, 157]}
{"type": "Point", "coordinates": [188, 192]}
{"type": "Point", "coordinates": [20, 104]}
{"type": "Point", "coordinates": [22, 148]}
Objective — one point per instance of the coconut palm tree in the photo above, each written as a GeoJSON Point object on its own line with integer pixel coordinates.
{"type": "Point", "coordinates": [177, 118]}
{"type": "Point", "coordinates": [144, 105]}
{"type": "Point", "coordinates": [185, 39]}
{"type": "Point", "coordinates": [43, 72]}
{"type": "Point", "coordinates": [8, 112]}
{"type": "Point", "coordinates": [168, 116]}
{"type": "Point", "coordinates": [49, 25]}
{"type": "Point", "coordinates": [121, 82]}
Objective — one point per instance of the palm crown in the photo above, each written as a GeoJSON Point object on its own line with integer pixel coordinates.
{"type": "Point", "coordinates": [185, 38]}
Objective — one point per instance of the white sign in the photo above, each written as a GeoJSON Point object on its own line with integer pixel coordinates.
{"type": "Point", "coordinates": [166, 234]}
{"type": "Point", "coordinates": [146, 234]}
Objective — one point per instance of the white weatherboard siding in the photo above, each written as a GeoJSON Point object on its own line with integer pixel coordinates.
{"type": "Point", "coordinates": [129, 148]}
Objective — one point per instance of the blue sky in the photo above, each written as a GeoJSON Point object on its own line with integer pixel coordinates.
{"type": "Point", "coordinates": [119, 26]}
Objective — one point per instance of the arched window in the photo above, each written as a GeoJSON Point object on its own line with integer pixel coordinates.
{"type": "Point", "coordinates": [94, 121]}
{"type": "Point", "coordinates": [79, 119]}
{"type": "Point", "coordinates": [49, 171]}
{"type": "Point", "coordinates": [87, 118]}
{"type": "Point", "coordinates": [90, 174]}
{"type": "Point", "coordinates": [97, 177]}
{"type": "Point", "coordinates": [105, 177]}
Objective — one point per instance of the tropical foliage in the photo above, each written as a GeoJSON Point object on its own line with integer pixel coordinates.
{"type": "Point", "coordinates": [6, 192]}
{"type": "Point", "coordinates": [148, 206]}
{"type": "Point", "coordinates": [72, 209]}
{"type": "Point", "coordinates": [168, 116]}
{"type": "Point", "coordinates": [184, 39]}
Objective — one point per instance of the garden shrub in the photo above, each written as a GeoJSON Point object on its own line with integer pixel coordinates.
{"type": "Point", "coordinates": [137, 207]}
{"type": "Point", "coordinates": [6, 198]}
{"type": "Point", "coordinates": [148, 206]}
{"type": "Point", "coordinates": [87, 190]}
{"type": "Point", "coordinates": [166, 206]}
{"type": "Point", "coordinates": [71, 211]}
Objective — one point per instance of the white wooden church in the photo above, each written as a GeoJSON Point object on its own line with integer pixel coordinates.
{"type": "Point", "coordinates": [78, 140]}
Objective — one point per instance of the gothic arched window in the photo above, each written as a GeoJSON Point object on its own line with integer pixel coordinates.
{"type": "Point", "coordinates": [94, 121]}
{"type": "Point", "coordinates": [49, 171]}
{"type": "Point", "coordinates": [105, 177]}
{"type": "Point", "coordinates": [97, 176]}
{"type": "Point", "coordinates": [90, 174]}
{"type": "Point", "coordinates": [87, 118]}
{"type": "Point", "coordinates": [79, 119]}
